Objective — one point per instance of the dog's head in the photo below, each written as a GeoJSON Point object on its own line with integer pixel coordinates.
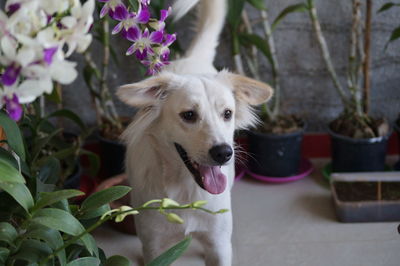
{"type": "Point", "coordinates": [196, 116]}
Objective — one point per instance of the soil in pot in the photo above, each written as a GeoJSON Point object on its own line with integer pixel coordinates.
{"type": "Point", "coordinates": [275, 149]}
{"type": "Point", "coordinates": [359, 144]}
{"type": "Point", "coordinates": [367, 191]}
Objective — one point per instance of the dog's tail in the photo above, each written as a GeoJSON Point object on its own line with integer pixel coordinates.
{"type": "Point", "coordinates": [211, 18]}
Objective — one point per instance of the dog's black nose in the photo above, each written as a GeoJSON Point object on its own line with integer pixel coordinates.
{"type": "Point", "coordinates": [221, 153]}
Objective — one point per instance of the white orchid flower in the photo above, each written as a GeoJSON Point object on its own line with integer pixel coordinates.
{"type": "Point", "coordinates": [77, 27]}
{"type": "Point", "coordinates": [54, 6]}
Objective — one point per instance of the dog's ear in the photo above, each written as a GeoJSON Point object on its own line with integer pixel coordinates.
{"type": "Point", "coordinates": [147, 92]}
{"type": "Point", "coordinates": [248, 92]}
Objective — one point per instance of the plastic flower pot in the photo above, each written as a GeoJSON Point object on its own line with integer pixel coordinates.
{"type": "Point", "coordinates": [366, 197]}
{"type": "Point", "coordinates": [358, 155]}
{"type": "Point", "coordinates": [74, 180]}
{"type": "Point", "coordinates": [397, 129]}
{"type": "Point", "coordinates": [112, 154]}
{"type": "Point", "coordinates": [275, 155]}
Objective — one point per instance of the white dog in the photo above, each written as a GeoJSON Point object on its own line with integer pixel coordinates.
{"type": "Point", "coordinates": [180, 144]}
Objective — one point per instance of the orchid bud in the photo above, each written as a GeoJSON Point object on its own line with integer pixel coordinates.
{"type": "Point", "coordinates": [174, 218]}
{"type": "Point", "coordinates": [168, 203]}
{"type": "Point", "coordinates": [199, 203]}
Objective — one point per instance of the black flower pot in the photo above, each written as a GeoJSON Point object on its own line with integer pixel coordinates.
{"type": "Point", "coordinates": [358, 155]}
{"type": "Point", "coordinates": [275, 155]}
{"type": "Point", "coordinates": [397, 128]}
{"type": "Point", "coordinates": [74, 180]}
{"type": "Point", "coordinates": [112, 156]}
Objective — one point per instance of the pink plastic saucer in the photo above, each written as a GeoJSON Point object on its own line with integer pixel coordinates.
{"type": "Point", "coordinates": [306, 168]}
{"type": "Point", "coordinates": [240, 171]}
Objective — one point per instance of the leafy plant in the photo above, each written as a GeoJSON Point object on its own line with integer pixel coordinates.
{"type": "Point", "coordinates": [396, 32]}
{"type": "Point", "coordinates": [133, 21]}
{"type": "Point", "coordinates": [355, 120]}
{"type": "Point", "coordinates": [247, 45]}
{"type": "Point", "coordinates": [43, 225]}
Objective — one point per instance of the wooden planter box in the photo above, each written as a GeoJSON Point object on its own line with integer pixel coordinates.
{"type": "Point", "coordinates": [366, 197]}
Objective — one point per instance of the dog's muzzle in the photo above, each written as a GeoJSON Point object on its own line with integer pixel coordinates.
{"type": "Point", "coordinates": [209, 178]}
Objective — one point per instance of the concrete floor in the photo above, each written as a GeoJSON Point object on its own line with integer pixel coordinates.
{"type": "Point", "coordinates": [283, 225]}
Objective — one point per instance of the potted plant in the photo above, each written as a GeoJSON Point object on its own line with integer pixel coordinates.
{"type": "Point", "coordinates": [39, 225]}
{"type": "Point", "coordinates": [366, 197]}
{"type": "Point", "coordinates": [275, 147]}
{"type": "Point", "coordinates": [43, 225]}
{"type": "Point", "coordinates": [123, 18]}
{"type": "Point", "coordinates": [393, 37]}
{"type": "Point", "coordinates": [359, 141]}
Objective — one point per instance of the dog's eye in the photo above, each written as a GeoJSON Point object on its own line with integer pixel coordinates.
{"type": "Point", "coordinates": [227, 115]}
{"type": "Point", "coordinates": [189, 116]}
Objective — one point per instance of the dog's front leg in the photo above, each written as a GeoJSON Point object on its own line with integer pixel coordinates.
{"type": "Point", "coordinates": [217, 248]}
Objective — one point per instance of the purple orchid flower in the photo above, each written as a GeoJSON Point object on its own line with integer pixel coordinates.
{"type": "Point", "coordinates": [143, 42]}
{"type": "Point", "coordinates": [160, 24]}
{"type": "Point", "coordinates": [110, 8]}
{"type": "Point", "coordinates": [154, 64]}
{"type": "Point", "coordinates": [10, 74]}
{"type": "Point", "coordinates": [14, 109]}
{"type": "Point", "coordinates": [11, 9]}
{"type": "Point", "coordinates": [48, 54]}
{"type": "Point", "coordinates": [129, 20]}
{"type": "Point", "coordinates": [164, 50]}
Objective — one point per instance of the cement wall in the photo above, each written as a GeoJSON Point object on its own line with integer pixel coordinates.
{"type": "Point", "coordinates": [307, 88]}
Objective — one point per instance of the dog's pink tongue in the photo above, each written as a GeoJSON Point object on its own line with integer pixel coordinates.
{"type": "Point", "coordinates": [214, 180]}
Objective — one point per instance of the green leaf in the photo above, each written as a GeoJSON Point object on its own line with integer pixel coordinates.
{"type": "Point", "coordinates": [235, 8]}
{"type": "Point", "coordinates": [20, 193]}
{"type": "Point", "coordinates": [105, 196]}
{"type": "Point", "coordinates": [134, 4]}
{"type": "Point", "coordinates": [387, 6]}
{"type": "Point", "coordinates": [50, 172]}
{"type": "Point", "coordinates": [259, 4]}
{"type": "Point", "coordinates": [9, 174]}
{"type": "Point", "coordinates": [4, 252]}
{"type": "Point", "coordinates": [7, 156]}
{"type": "Point", "coordinates": [32, 250]}
{"type": "Point", "coordinates": [86, 261]}
{"type": "Point", "coordinates": [70, 115]}
{"type": "Point", "coordinates": [8, 233]}
{"type": "Point", "coordinates": [118, 261]}
{"type": "Point", "coordinates": [63, 221]}
{"type": "Point", "coordinates": [52, 237]}
{"type": "Point", "coordinates": [260, 43]}
{"type": "Point", "coordinates": [172, 254]}
{"type": "Point", "coordinates": [95, 212]}
{"type": "Point", "coordinates": [286, 11]}
{"type": "Point", "coordinates": [48, 198]}
{"type": "Point", "coordinates": [14, 137]}
{"type": "Point", "coordinates": [395, 34]}
{"type": "Point", "coordinates": [42, 142]}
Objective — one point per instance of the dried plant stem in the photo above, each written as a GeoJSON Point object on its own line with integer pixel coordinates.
{"type": "Point", "coordinates": [367, 61]}
{"type": "Point", "coordinates": [94, 94]}
{"type": "Point", "coordinates": [274, 65]}
{"type": "Point", "coordinates": [355, 58]}
{"type": "Point", "coordinates": [251, 60]}
{"type": "Point", "coordinates": [325, 52]}
{"type": "Point", "coordinates": [58, 88]}
{"type": "Point", "coordinates": [105, 92]}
